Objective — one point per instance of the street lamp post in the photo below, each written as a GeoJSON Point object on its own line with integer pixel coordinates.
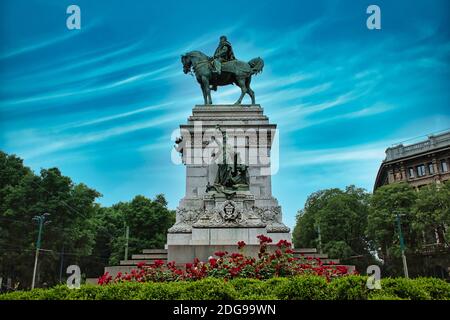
{"type": "Point", "coordinates": [41, 220]}
{"type": "Point", "coordinates": [319, 238]}
{"type": "Point", "coordinates": [127, 235]}
{"type": "Point", "coordinates": [402, 246]}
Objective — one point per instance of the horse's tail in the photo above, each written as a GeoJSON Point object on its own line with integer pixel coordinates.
{"type": "Point", "coordinates": [257, 65]}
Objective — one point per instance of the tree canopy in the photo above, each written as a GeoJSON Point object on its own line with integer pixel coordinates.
{"type": "Point", "coordinates": [80, 231]}
{"type": "Point", "coordinates": [355, 226]}
{"type": "Point", "coordinates": [354, 223]}
{"type": "Point", "coordinates": [424, 217]}
{"type": "Point", "coordinates": [341, 217]}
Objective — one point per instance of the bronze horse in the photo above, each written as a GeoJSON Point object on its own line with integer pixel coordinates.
{"type": "Point", "coordinates": [233, 72]}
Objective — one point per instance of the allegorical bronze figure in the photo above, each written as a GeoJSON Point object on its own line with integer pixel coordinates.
{"type": "Point", "coordinates": [222, 69]}
{"type": "Point", "coordinates": [231, 177]}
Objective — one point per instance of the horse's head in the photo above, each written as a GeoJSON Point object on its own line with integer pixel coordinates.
{"type": "Point", "coordinates": [192, 58]}
{"type": "Point", "coordinates": [187, 63]}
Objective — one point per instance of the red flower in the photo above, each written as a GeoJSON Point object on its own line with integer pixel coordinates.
{"type": "Point", "coordinates": [158, 263]}
{"type": "Point", "coordinates": [283, 243]}
{"type": "Point", "coordinates": [104, 279]}
{"type": "Point", "coordinates": [241, 244]}
{"type": "Point", "coordinates": [179, 272]}
{"type": "Point", "coordinates": [220, 254]}
{"type": "Point", "coordinates": [234, 271]}
{"type": "Point", "coordinates": [263, 239]}
{"type": "Point", "coordinates": [342, 269]}
{"type": "Point", "coordinates": [236, 255]}
{"type": "Point", "coordinates": [280, 262]}
{"type": "Point", "coordinates": [213, 262]}
{"type": "Point", "coordinates": [249, 262]}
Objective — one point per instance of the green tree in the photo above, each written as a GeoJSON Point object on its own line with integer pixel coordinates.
{"type": "Point", "coordinates": [341, 216]}
{"type": "Point", "coordinates": [424, 215]}
{"type": "Point", "coordinates": [432, 211]}
{"type": "Point", "coordinates": [72, 229]}
{"type": "Point", "coordinates": [109, 239]}
{"type": "Point", "coordinates": [81, 232]}
{"type": "Point", "coordinates": [147, 219]}
{"type": "Point", "coordinates": [431, 221]}
{"type": "Point", "coordinates": [386, 203]}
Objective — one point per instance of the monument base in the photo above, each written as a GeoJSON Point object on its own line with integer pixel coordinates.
{"type": "Point", "coordinates": [227, 153]}
{"type": "Point", "coordinates": [202, 243]}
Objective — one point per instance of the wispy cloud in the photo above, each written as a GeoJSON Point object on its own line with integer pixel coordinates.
{"type": "Point", "coordinates": [118, 116]}
{"type": "Point", "coordinates": [51, 142]}
{"type": "Point", "coordinates": [68, 69]}
{"type": "Point", "coordinates": [293, 93]}
{"type": "Point", "coordinates": [325, 80]}
{"type": "Point", "coordinates": [44, 43]}
{"type": "Point", "coordinates": [374, 151]}
{"type": "Point", "coordinates": [79, 91]}
{"type": "Point", "coordinates": [292, 39]}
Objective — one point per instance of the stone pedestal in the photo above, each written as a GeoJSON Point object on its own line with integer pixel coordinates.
{"type": "Point", "coordinates": [208, 218]}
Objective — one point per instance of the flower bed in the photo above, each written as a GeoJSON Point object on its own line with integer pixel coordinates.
{"type": "Point", "coordinates": [273, 275]}
{"type": "Point", "coordinates": [306, 287]}
{"type": "Point", "coordinates": [280, 263]}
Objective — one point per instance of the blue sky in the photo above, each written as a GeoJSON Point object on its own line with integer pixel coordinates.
{"type": "Point", "coordinates": [101, 103]}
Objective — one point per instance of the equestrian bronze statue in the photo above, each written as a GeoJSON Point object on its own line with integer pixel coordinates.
{"type": "Point", "coordinates": [222, 69]}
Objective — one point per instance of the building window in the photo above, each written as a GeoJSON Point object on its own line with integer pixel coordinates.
{"type": "Point", "coordinates": [411, 173]}
{"type": "Point", "coordinates": [444, 166]}
{"type": "Point", "coordinates": [420, 170]}
{"type": "Point", "coordinates": [431, 168]}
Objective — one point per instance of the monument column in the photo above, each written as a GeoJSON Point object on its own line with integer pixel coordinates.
{"type": "Point", "coordinates": [227, 153]}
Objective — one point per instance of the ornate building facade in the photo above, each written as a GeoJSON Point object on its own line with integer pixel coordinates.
{"type": "Point", "coordinates": [418, 164]}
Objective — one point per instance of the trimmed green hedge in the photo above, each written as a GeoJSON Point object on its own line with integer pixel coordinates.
{"type": "Point", "coordinates": [295, 288]}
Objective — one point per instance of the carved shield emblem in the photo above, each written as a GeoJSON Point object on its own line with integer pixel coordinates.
{"type": "Point", "coordinates": [229, 211]}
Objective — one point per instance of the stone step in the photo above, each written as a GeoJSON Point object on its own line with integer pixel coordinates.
{"type": "Point", "coordinates": [328, 261]}
{"type": "Point", "coordinates": [150, 251]}
{"type": "Point", "coordinates": [114, 270]}
{"type": "Point", "coordinates": [228, 111]}
{"type": "Point", "coordinates": [149, 256]}
{"type": "Point", "coordinates": [305, 250]}
{"type": "Point", "coordinates": [313, 255]}
{"type": "Point", "coordinates": [135, 262]}
{"type": "Point", "coordinates": [350, 268]}
{"type": "Point", "coordinates": [230, 114]}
